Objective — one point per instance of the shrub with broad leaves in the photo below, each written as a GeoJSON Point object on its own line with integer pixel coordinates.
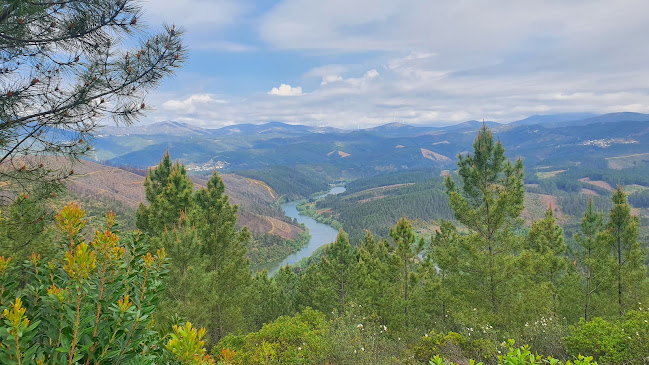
{"type": "Point", "coordinates": [94, 303]}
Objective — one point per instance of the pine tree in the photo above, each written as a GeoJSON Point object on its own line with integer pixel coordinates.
{"type": "Point", "coordinates": [169, 192]}
{"type": "Point", "coordinates": [64, 71]}
{"type": "Point", "coordinates": [404, 256]}
{"type": "Point", "coordinates": [593, 256]}
{"type": "Point", "coordinates": [488, 203]}
{"type": "Point", "coordinates": [445, 253]}
{"type": "Point", "coordinates": [426, 294]}
{"type": "Point", "coordinates": [26, 227]}
{"type": "Point", "coordinates": [546, 250]}
{"type": "Point", "coordinates": [264, 301]}
{"type": "Point", "coordinates": [208, 252]}
{"type": "Point", "coordinates": [379, 285]}
{"type": "Point", "coordinates": [186, 271]}
{"type": "Point", "coordinates": [225, 248]}
{"type": "Point", "coordinates": [330, 283]}
{"type": "Point", "coordinates": [287, 283]}
{"type": "Point", "coordinates": [630, 269]}
{"type": "Point", "coordinates": [338, 265]}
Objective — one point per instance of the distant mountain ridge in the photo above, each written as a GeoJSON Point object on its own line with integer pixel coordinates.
{"type": "Point", "coordinates": [167, 128]}
{"type": "Point", "coordinates": [394, 128]}
{"type": "Point", "coordinates": [367, 151]}
{"type": "Point", "coordinates": [553, 118]}
{"type": "Point", "coordinates": [185, 129]}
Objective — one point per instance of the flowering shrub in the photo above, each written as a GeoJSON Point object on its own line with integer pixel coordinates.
{"type": "Point", "coordinates": [545, 335]}
{"type": "Point", "coordinates": [93, 303]}
{"type": "Point", "coordinates": [453, 346]}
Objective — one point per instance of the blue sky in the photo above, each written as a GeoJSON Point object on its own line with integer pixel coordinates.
{"type": "Point", "coordinates": [359, 63]}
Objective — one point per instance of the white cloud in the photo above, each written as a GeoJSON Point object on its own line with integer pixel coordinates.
{"type": "Point", "coordinates": [330, 78]}
{"type": "Point", "coordinates": [458, 27]}
{"type": "Point", "coordinates": [192, 104]}
{"type": "Point", "coordinates": [371, 74]}
{"type": "Point", "coordinates": [286, 90]}
{"type": "Point", "coordinates": [431, 62]}
{"type": "Point", "coordinates": [204, 21]}
{"type": "Point", "coordinates": [424, 95]}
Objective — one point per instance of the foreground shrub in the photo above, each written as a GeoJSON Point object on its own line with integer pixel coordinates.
{"type": "Point", "coordinates": [288, 340]}
{"type": "Point", "coordinates": [454, 347]}
{"type": "Point", "coordinates": [359, 337]}
{"type": "Point", "coordinates": [625, 341]}
{"type": "Point", "coordinates": [520, 356]}
{"type": "Point", "coordinates": [93, 303]}
{"type": "Point", "coordinates": [546, 335]}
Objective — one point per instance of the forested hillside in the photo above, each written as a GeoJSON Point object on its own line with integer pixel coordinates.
{"type": "Point", "coordinates": [399, 296]}
{"type": "Point", "coordinates": [108, 188]}
{"type": "Point", "coordinates": [417, 196]}
{"type": "Point", "coordinates": [189, 239]}
{"type": "Point", "coordinates": [292, 182]}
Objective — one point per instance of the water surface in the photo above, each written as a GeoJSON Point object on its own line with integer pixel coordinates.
{"type": "Point", "coordinates": [321, 234]}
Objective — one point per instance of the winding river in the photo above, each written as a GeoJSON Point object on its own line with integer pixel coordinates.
{"type": "Point", "coordinates": [321, 234]}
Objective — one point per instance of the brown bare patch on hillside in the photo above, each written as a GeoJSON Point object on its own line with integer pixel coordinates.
{"type": "Point", "coordinates": [342, 154]}
{"type": "Point", "coordinates": [634, 188]}
{"type": "Point", "coordinates": [548, 174]}
{"type": "Point", "coordinates": [283, 229]}
{"type": "Point", "coordinates": [386, 187]}
{"type": "Point", "coordinates": [600, 184]}
{"type": "Point", "coordinates": [433, 156]}
{"type": "Point", "coordinates": [104, 182]}
{"type": "Point", "coordinates": [627, 161]}
{"type": "Point", "coordinates": [537, 204]}
{"type": "Point", "coordinates": [255, 198]}
{"type": "Point", "coordinates": [589, 192]}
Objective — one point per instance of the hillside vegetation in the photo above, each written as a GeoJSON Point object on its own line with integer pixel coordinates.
{"type": "Point", "coordinates": [105, 188]}
{"type": "Point", "coordinates": [416, 294]}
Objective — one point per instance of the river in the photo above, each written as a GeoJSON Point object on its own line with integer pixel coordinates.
{"type": "Point", "coordinates": [321, 234]}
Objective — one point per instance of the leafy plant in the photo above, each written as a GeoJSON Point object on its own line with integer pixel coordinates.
{"type": "Point", "coordinates": [94, 302]}
{"type": "Point", "coordinates": [624, 341]}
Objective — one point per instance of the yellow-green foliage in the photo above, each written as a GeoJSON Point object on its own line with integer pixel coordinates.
{"type": "Point", "coordinates": [93, 303]}
{"type": "Point", "coordinates": [187, 345]}
{"type": "Point", "coordinates": [520, 356]}
{"type": "Point", "coordinates": [288, 340]}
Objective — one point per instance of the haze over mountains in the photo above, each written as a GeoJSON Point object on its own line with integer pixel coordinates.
{"type": "Point", "coordinates": [538, 139]}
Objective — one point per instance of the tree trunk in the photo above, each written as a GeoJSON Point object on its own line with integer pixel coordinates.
{"type": "Point", "coordinates": [405, 265]}
{"type": "Point", "coordinates": [619, 271]}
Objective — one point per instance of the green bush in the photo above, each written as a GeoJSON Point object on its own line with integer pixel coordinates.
{"type": "Point", "coordinates": [623, 341]}
{"type": "Point", "coordinates": [92, 303]}
{"type": "Point", "coordinates": [287, 340]}
{"type": "Point", "coordinates": [360, 338]}
{"type": "Point", "coordinates": [546, 335]}
{"type": "Point", "coordinates": [454, 347]}
{"type": "Point", "coordinates": [519, 356]}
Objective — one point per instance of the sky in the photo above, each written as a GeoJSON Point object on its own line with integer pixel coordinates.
{"type": "Point", "coordinates": [360, 63]}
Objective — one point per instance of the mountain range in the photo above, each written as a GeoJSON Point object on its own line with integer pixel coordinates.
{"type": "Point", "coordinates": [541, 139]}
